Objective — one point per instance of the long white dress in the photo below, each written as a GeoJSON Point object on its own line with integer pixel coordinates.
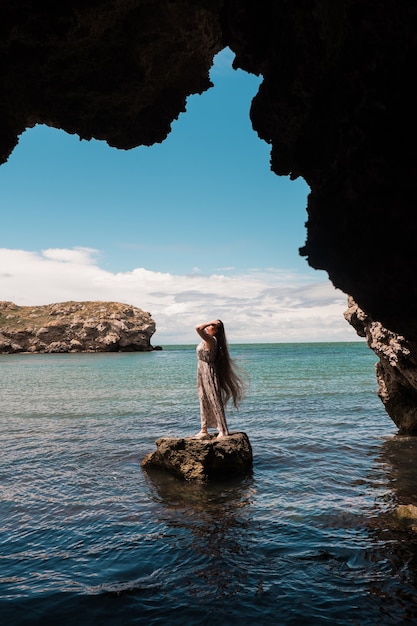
{"type": "Point", "coordinates": [211, 404]}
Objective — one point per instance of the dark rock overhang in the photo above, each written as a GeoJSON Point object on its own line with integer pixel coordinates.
{"type": "Point", "coordinates": [336, 104]}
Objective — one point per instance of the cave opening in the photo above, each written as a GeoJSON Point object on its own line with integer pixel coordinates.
{"type": "Point", "coordinates": [198, 222]}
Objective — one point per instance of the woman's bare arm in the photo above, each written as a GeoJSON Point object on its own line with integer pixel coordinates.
{"type": "Point", "coordinates": [201, 330]}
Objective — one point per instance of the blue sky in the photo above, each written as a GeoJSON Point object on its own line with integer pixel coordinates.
{"type": "Point", "coordinates": [194, 228]}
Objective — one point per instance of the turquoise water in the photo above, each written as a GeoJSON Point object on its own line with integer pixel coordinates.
{"type": "Point", "coordinates": [87, 537]}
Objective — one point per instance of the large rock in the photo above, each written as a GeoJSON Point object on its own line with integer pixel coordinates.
{"type": "Point", "coordinates": [75, 327]}
{"type": "Point", "coordinates": [202, 459]}
{"type": "Point", "coordinates": [396, 371]}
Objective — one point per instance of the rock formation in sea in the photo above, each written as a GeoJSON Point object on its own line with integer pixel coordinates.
{"type": "Point", "coordinates": [335, 106]}
{"type": "Point", "coordinates": [75, 327]}
{"type": "Point", "coordinates": [396, 371]}
{"type": "Point", "coordinates": [201, 460]}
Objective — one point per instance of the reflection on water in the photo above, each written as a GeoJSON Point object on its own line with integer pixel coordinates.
{"type": "Point", "coordinates": [399, 457]}
{"type": "Point", "coordinates": [213, 515]}
{"type": "Point", "coordinates": [394, 539]}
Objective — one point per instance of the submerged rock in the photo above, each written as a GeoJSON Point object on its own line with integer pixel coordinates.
{"type": "Point", "coordinates": [407, 512]}
{"type": "Point", "coordinates": [202, 459]}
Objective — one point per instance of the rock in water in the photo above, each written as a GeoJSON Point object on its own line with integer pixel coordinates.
{"type": "Point", "coordinates": [202, 459]}
{"type": "Point", "coordinates": [75, 327]}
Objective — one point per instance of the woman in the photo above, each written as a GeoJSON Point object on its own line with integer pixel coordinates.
{"type": "Point", "coordinates": [217, 380]}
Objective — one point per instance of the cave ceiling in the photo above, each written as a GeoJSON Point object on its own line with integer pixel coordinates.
{"type": "Point", "coordinates": [336, 104]}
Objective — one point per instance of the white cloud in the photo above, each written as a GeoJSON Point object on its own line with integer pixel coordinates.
{"type": "Point", "coordinates": [75, 255]}
{"type": "Point", "coordinates": [257, 306]}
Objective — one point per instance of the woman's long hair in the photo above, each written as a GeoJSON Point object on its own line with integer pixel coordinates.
{"type": "Point", "coordinates": [231, 382]}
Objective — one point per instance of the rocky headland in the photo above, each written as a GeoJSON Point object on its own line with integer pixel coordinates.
{"type": "Point", "coordinates": [75, 327]}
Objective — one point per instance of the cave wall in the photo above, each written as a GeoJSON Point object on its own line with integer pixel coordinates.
{"type": "Point", "coordinates": [115, 70]}
{"type": "Point", "coordinates": [336, 104]}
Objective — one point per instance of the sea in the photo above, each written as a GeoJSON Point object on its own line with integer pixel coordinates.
{"type": "Point", "coordinates": [309, 536]}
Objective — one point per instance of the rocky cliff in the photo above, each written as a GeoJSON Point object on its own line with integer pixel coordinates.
{"type": "Point", "coordinates": [396, 370]}
{"type": "Point", "coordinates": [75, 327]}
